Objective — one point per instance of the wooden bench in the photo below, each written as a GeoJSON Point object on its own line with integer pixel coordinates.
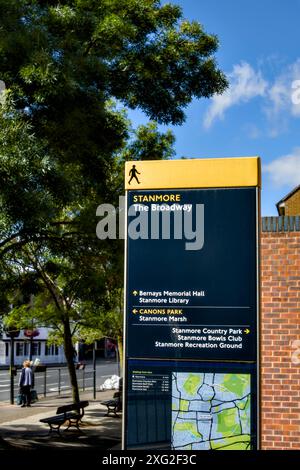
{"type": "Point", "coordinates": [72, 413]}
{"type": "Point", "coordinates": [114, 405]}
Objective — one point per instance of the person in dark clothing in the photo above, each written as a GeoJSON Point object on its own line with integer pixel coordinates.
{"type": "Point", "coordinates": [26, 383]}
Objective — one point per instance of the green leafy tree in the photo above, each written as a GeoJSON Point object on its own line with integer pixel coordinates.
{"type": "Point", "coordinates": [59, 275]}
{"type": "Point", "coordinates": [63, 142]}
{"type": "Point", "coordinates": [71, 292]}
{"type": "Point", "coordinates": [150, 144]}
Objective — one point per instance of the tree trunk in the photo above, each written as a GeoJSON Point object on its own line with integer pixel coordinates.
{"type": "Point", "coordinates": [69, 353]}
{"type": "Point", "coordinates": [120, 350]}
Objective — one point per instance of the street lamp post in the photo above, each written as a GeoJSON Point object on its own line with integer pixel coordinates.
{"type": "Point", "coordinates": [94, 370]}
{"type": "Point", "coordinates": [12, 371]}
{"type": "Point", "coordinates": [30, 348]}
{"type": "Point", "coordinates": [12, 333]}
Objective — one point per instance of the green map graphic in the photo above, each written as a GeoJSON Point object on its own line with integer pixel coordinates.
{"type": "Point", "coordinates": [211, 411]}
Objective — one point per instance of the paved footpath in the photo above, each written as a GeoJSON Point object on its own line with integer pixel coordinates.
{"type": "Point", "coordinates": [20, 428]}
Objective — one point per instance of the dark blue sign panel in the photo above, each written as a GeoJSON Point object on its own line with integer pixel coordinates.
{"type": "Point", "coordinates": [196, 303]}
{"type": "Point", "coordinates": [191, 344]}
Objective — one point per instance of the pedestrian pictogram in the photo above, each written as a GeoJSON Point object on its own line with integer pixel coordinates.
{"type": "Point", "coordinates": [133, 174]}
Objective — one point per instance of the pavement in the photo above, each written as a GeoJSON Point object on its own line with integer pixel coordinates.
{"type": "Point", "coordinates": [21, 430]}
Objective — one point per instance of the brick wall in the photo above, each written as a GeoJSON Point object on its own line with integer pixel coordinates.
{"type": "Point", "coordinates": [280, 269]}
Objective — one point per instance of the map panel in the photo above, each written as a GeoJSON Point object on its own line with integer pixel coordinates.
{"type": "Point", "coordinates": [211, 411]}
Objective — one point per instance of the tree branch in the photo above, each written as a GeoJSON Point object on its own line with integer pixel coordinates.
{"type": "Point", "coordinates": [46, 279]}
{"type": "Point", "coordinates": [10, 238]}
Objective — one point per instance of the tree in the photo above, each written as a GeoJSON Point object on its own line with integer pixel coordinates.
{"type": "Point", "coordinates": [59, 276]}
{"type": "Point", "coordinates": [63, 141]}
{"type": "Point", "coordinates": [61, 61]}
{"type": "Point", "coordinates": [71, 292]}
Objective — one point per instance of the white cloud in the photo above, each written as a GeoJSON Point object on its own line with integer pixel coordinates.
{"type": "Point", "coordinates": [281, 97]}
{"type": "Point", "coordinates": [280, 105]}
{"type": "Point", "coordinates": [285, 170]}
{"type": "Point", "coordinates": [245, 84]}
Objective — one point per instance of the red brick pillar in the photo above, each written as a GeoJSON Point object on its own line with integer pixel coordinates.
{"type": "Point", "coordinates": [280, 270]}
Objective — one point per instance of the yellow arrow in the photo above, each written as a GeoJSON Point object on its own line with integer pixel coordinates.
{"type": "Point", "coordinates": [246, 331]}
{"type": "Point", "coordinates": [135, 292]}
{"type": "Point", "coordinates": [135, 311]}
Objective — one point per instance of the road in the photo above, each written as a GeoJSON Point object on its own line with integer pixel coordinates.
{"type": "Point", "coordinates": [104, 370]}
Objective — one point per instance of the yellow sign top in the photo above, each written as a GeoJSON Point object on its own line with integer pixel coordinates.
{"type": "Point", "coordinates": [193, 173]}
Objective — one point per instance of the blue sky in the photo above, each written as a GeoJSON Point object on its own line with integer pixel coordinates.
{"type": "Point", "coordinates": [260, 53]}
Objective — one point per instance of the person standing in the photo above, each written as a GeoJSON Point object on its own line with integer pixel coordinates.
{"type": "Point", "coordinates": [26, 383]}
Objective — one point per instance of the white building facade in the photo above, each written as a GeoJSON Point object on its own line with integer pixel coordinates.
{"type": "Point", "coordinates": [45, 353]}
